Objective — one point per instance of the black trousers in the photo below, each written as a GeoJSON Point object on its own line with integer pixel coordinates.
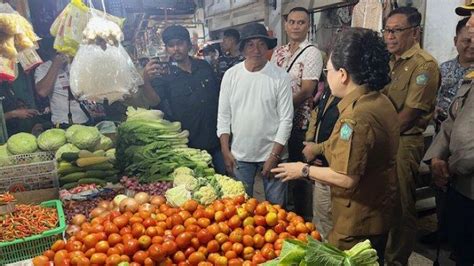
{"type": "Point", "coordinates": [301, 190]}
{"type": "Point", "coordinates": [460, 218]}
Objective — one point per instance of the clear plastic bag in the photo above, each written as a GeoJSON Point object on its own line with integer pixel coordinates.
{"type": "Point", "coordinates": [97, 73]}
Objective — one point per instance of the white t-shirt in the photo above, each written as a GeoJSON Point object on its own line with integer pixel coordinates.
{"type": "Point", "coordinates": [258, 108]}
{"type": "Point", "coordinates": [58, 99]}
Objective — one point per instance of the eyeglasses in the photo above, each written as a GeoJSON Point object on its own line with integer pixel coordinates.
{"type": "Point", "coordinates": [325, 70]}
{"type": "Point", "coordinates": [396, 31]}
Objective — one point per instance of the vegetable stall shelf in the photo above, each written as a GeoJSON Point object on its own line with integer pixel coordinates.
{"type": "Point", "coordinates": [29, 247]}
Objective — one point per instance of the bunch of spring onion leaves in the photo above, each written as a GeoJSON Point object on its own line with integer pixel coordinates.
{"type": "Point", "coordinates": [296, 252]}
{"type": "Point", "coordinates": [152, 148]}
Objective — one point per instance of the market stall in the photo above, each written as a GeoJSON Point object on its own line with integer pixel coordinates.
{"type": "Point", "coordinates": [131, 192]}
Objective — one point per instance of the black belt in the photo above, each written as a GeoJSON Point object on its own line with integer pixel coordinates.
{"type": "Point", "coordinates": [411, 134]}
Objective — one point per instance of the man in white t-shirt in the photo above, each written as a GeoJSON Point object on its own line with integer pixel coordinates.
{"type": "Point", "coordinates": [52, 80]}
{"type": "Point", "coordinates": [256, 108]}
{"type": "Point", "coordinates": [304, 62]}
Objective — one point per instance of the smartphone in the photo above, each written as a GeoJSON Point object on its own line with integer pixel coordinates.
{"type": "Point", "coordinates": [164, 68]}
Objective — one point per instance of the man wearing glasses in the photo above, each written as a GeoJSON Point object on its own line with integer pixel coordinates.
{"type": "Point", "coordinates": [415, 81]}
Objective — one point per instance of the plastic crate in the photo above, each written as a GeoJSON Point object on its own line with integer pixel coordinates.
{"type": "Point", "coordinates": [29, 247]}
{"type": "Point", "coordinates": [29, 172]}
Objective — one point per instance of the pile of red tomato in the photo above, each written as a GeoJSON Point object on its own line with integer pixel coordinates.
{"type": "Point", "coordinates": [228, 232]}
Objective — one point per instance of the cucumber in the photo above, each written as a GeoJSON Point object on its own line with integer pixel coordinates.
{"type": "Point", "coordinates": [97, 173]}
{"type": "Point", "coordinates": [82, 162]}
{"type": "Point", "coordinates": [85, 154]}
{"type": "Point", "coordinates": [96, 181]}
{"type": "Point", "coordinates": [64, 169]}
{"type": "Point", "coordinates": [112, 179]}
{"type": "Point", "coordinates": [70, 185]}
{"type": "Point", "coordinates": [72, 177]}
{"type": "Point", "coordinates": [64, 164]}
{"type": "Point", "coordinates": [100, 166]}
{"type": "Point", "coordinates": [70, 156]}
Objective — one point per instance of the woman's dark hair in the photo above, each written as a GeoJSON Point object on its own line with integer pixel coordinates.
{"type": "Point", "coordinates": [363, 54]}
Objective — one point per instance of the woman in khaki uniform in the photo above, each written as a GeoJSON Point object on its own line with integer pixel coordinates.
{"type": "Point", "coordinates": [362, 148]}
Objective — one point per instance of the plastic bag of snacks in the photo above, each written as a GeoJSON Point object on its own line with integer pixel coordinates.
{"type": "Point", "coordinates": [29, 59]}
{"type": "Point", "coordinates": [102, 68]}
{"type": "Point", "coordinates": [68, 27]}
{"type": "Point", "coordinates": [8, 70]}
{"type": "Point", "coordinates": [16, 33]}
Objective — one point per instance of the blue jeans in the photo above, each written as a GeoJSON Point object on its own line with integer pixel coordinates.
{"type": "Point", "coordinates": [275, 190]}
{"type": "Point", "coordinates": [217, 160]}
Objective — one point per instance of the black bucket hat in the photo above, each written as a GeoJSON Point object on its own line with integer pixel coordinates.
{"type": "Point", "coordinates": [254, 31]}
{"type": "Point", "coordinates": [174, 32]}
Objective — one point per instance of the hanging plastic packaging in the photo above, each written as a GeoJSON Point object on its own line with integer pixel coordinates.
{"type": "Point", "coordinates": [8, 70]}
{"type": "Point", "coordinates": [68, 27]}
{"type": "Point", "coordinates": [102, 69]}
{"type": "Point", "coordinates": [16, 33]}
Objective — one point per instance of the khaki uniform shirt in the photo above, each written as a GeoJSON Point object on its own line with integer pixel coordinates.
{"type": "Point", "coordinates": [455, 141]}
{"type": "Point", "coordinates": [364, 143]}
{"type": "Point", "coordinates": [415, 82]}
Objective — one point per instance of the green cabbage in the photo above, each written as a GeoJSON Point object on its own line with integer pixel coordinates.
{"type": "Point", "coordinates": [68, 147]}
{"type": "Point", "coordinates": [110, 153]}
{"type": "Point", "coordinates": [4, 156]}
{"type": "Point", "coordinates": [22, 143]}
{"type": "Point", "coordinates": [85, 138]}
{"type": "Point", "coordinates": [71, 130]}
{"type": "Point", "coordinates": [177, 196]}
{"type": "Point", "coordinates": [105, 143]}
{"type": "Point", "coordinates": [52, 139]}
{"type": "Point", "coordinates": [205, 195]}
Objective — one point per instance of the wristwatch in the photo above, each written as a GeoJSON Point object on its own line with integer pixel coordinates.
{"type": "Point", "coordinates": [305, 171]}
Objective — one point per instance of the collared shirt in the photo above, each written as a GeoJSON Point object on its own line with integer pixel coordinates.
{"type": "Point", "coordinates": [59, 98]}
{"type": "Point", "coordinates": [308, 66]}
{"type": "Point", "coordinates": [455, 141]}
{"type": "Point", "coordinates": [257, 108]}
{"type": "Point", "coordinates": [415, 81]}
{"type": "Point", "coordinates": [364, 143]}
{"type": "Point", "coordinates": [452, 73]}
{"type": "Point", "coordinates": [191, 98]}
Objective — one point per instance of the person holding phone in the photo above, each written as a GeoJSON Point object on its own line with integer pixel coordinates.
{"type": "Point", "coordinates": [186, 90]}
{"type": "Point", "coordinates": [362, 148]}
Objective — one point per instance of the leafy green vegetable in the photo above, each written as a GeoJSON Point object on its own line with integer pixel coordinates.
{"type": "Point", "coordinates": [323, 254]}
{"type": "Point", "coordinates": [52, 139]}
{"type": "Point", "coordinates": [70, 131]}
{"type": "Point", "coordinates": [293, 251]}
{"type": "Point", "coordinates": [140, 114]}
{"type": "Point", "coordinates": [22, 143]}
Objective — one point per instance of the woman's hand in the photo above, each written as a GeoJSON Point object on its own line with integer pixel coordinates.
{"type": "Point", "coordinates": [288, 171]}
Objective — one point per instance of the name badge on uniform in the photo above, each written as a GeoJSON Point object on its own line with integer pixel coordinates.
{"type": "Point", "coordinates": [346, 131]}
